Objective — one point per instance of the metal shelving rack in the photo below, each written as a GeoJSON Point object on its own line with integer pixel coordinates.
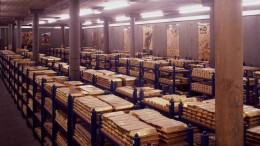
{"type": "Point", "coordinates": [155, 70]}
{"type": "Point", "coordinates": [172, 87]}
{"type": "Point", "coordinates": [212, 80]}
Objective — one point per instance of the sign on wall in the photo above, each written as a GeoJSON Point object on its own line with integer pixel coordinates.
{"type": "Point", "coordinates": [27, 39]}
{"type": "Point", "coordinates": [45, 38]}
{"type": "Point", "coordinates": [173, 41]}
{"type": "Point", "coordinates": [127, 39]}
{"type": "Point", "coordinates": [204, 41]}
{"type": "Point", "coordinates": [147, 39]}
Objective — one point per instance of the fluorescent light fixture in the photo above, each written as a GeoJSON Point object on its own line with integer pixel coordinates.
{"type": "Point", "coordinates": [97, 26]}
{"type": "Point", "coordinates": [96, 12]}
{"type": "Point", "coordinates": [251, 12]}
{"type": "Point", "coordinates": [152, 14]}
{"type": "Point", "coordinates": [122, 18]}
{"type": "Point", "coordinates": [51, 20]}
{"type": "Point", "coordinates": [99, 21]}
{"type": "Point", "coordinates": [64, 16]}
{"type": "Point", "coordinates": [119, 24]}
{"type": "Point", "coordinates": [84, 12]}
{"type": "Point", "coordinates": [114, 4]}
{"type": "Point", "coordinates": [250, 2]}
{"type": "Point", "coordinates": [193, 9]}
{"type": "Point", "coordinates": [42, 22]}
{"type": "Point", "coordinates": [87, 23]}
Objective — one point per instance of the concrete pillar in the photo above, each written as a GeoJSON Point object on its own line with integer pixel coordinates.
{"type": "Point", "coordinates": [106, 36]}
{"type": "Point", "coordinates": [74, 40]}
{"type": "Point", "coordinates": [35, 31]}
{"type": "Point", "coordinates": [63, 36]}
{"type": "Point", "coordinates": [229, 72]}
{"type": "Point", "coordinates": [10, 36]}
{"type": "Point", "coordinates": [212, 35]}
{"type": "Point", "coordinates": [132, 36]}
{"type": "Point", "coordinates": [18, 34]}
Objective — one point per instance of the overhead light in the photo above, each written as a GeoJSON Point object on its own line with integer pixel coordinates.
{"type": "Point", "coordinates": [87, 23]}
{"type": "Point", "coordinates": [114, 4]}
{"type": "Point", "coordinates": [42, 22]}
{"type": "Point", "coordinates": [152, 14]}
{"type": "Point", "coordinates": [51, 20]}
{"type": "Point", "coordinates": [251, 12]}
{"type": "Point", "coordinates": [84, 12]}
{"type": "Point", "coordinates": [122, 18]}
{"type": "Point", "coordinates": [96, 12]}
{"type": "Point", "coordinates": [100, 21]}
{"type": "Point", "coordinates": [193, 9]}
{"type": "Point", "coordinates": [251, 2]}
{"type": "Point", "coordinates": [64, 16]}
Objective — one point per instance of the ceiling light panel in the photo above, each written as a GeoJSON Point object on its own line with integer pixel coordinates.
{"type": "Point", "coordinates": [122, 18]}
{"type": "Point", "coordinates": [193, 9]}
{"type": "Point", "coordinates": [250, 2]}
{"type": "Point", "coordinates": [152, 14]}
{"type": "Point", "coordinates": [116, 4]}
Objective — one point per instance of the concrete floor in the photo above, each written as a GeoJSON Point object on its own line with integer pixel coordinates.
{"type": "Point", "coordinates": [13, 128]}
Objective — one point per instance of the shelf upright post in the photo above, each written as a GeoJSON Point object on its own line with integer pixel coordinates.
{"type": "Point", "coordinates": [213, 85]}
{"type": "Point", "coordinates": [171, 109]}
{"type": "Point", "coordinates": [136, 140]}
{"type": "Point", "coordinates": [245, 129]}
{"type": "Point", "coordinates": [180, 110]}
{"type": "Point", "coordinates": [54, 125]}
{"type": "Point", "coordinates": [190, 135]}
{"type": "Point", "coordinates": [34, 104]}
{"type": "Point", "coordinates": [204, 140]}
{"type": "Point", "coordinates": [93, 126]}
{"type": "Point", "coordinates": [70, 118]}
{"type": "Point", "coordinates": [135, 96]}
{"type": "Point", "coordinates": [173, 78]}
{"type": "Point", "coordinates": [27, 93]}
{"type": "Point", "coordinates": [256, 102]}
{"type": "Point", "coordinates": [163, 90]}
{"type": "Point", "coordinates": [141, 95]}
{"type": "Point", "coordinates": [247, 91]}
{"type": "Point", "coordinates": [43, 113]}
{"type": "Point", "coordinates": [59, 70]}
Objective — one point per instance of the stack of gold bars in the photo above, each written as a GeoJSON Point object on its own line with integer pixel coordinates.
{"type": "Point", "coordinates": [91, 90]}
{"type": "Point", "coordinates": [148, 74]}
{"type": "Point", "coordinates": [48, 126]}
{"type": "Point", "coordinates": [61, 118]}
{"type": "Point", "coordinates": [88, 74]}
{"type": "Point", "coordinates": [151, 64]}
{"type": "Point", "coordinates": [148, 91]}
{"type": "Point", "coordinates": [123, 60]}
{"type": "Point", "coordinates": [82, 135]}
{"type": "Point", "coordinates": [171, 132]}
{"type": "Point", "coordinates": [204, 113]}
{"type": "Point", "coordinates": [251, 82]}
{"type": "Point", "coordinates": [159, 103]}
{"type": "Point", "coordinates": [48, 104]}
{"type": "Point", "coordinates": [48, 86]}
{"type": "Point", "coordinates": [203, 72]}
{"type": "Point", "coordinates": [63, 93]}
{"type": "Point", "coordinates": [83, 106]}
{"type": "Point", "coordinates": [61, 140]}
{"type": "Point", "coordinates": [38, 132]}
{"type": "Point", "coordinates": [122, 128]}
{"type": "Point", "coordinates": [253, 136]}
{"type": "Point", "coordinates": [116, 102]}
{"type": "Point", "coordinates": [73, 83]}
{"type": "Point", "coordinates": [134, 72]}
{"type": "Point", "coordinates": [202, 87]}
{"type": "Point", "coordinates": [105, 81]}
{"type": "Point", "coordinates": [126, 80]}
{"type": "Point", "coordinates": [136, 61]}
{"type": "Point", "coordinates": [250, 69]}
{"type": "Point", "coordinates": [181, 62]}
{"type": "Point", "coordinates": [42, 72]}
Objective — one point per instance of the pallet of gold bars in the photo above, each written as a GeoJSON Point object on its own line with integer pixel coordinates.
{"type": "Point", "coordinates": [89, 73]}
{"type": "Point", "coordinates": [151, 64]}
{"type": "Point", "coordinates": [61, 119]}
{"type": "Point", "coordinates": [126, 80]}
{"type": "Point", "coordinates": [249, 70]}
{"type": "Point", "coordinates": [91, 90]}
{"type": "Point", "coordinates": [107, 81]}
{"type": "Point", "coordinates": [147, 91]}
{"type": "Point", "coordinates": [135, 61]}
{"type": "Point", "coordinates": [48, 86]}
{"type": "Point", "coordinates": [122, 70]}
{"type": "Point", "coordinates": [84, 106]}
{"type": "Point", "coordinates": [181, 62]}
{"type": "Point", "coordinates": [253, 136]}
{"type": "Point", "coordinates": [122, 128]}
{"type": "Point", "coordinates": [61, 140]}
{"type": "Point", "coordinates": [203, 72]}
{"type": "Point", "coordinates": [116, 102]}
{"type": "Point", "coordinates": [63, 93]}
{"type": "Point", "coordinates": [251, 97]}
{"type": "Point", "coordinates": [48, 104]}
{"type": "Point", "coordinates": [42, 72]}
{"type": "Point", "coordinates": [202, 87]}
{"type": "Point", "coordinates": [251, 116]}
{"type": "Point", "coordinates": [134, 72]}
{"type": "Point", "coordinates": [33, 68]}
{"type": "Point", "coordinates": [82, 135]}
{"type": "Point", "coordinates": [171, 132]}
{"type": "Point", "coordinates": [197, 139]}
{"type": "Point", "coordinates": [123, 60]}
